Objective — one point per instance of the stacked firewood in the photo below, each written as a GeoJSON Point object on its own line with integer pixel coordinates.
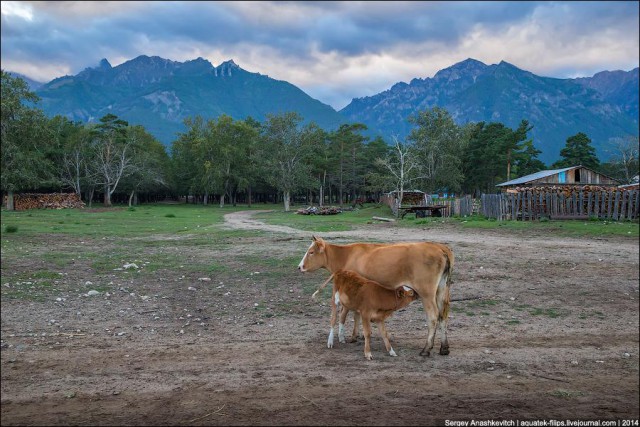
{"type": "Point", "coordinates": [46, 201]}
{"type": "Point", "coordinates": [315, 210]}
{"type": "Point", "coordinates": [567, 190]}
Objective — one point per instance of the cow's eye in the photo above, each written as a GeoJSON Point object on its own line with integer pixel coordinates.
{"type": "Point", "coordinates": [311, 253]}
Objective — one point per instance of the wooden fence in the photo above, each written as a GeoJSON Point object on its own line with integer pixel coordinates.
{"type": "Point", "coordinates": [526, 205]}
{"type": "Point", "coordinates": [463, 206]}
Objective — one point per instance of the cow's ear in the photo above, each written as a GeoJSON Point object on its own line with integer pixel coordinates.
{"type": "Point", "coordinates": [320, 245]}
{"type": "Point", "coordinates": [314, 238]}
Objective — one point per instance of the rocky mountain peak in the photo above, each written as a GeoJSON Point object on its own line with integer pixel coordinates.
{"type": "Point", "coordinates": [469, 68]}
{"type": "Point", "coordinates": [226, 68]}
{"type": "Point", "coordinates": [104, 64]}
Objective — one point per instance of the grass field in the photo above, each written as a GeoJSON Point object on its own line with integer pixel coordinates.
{"type": "Point", "coordinates": [197, 219]}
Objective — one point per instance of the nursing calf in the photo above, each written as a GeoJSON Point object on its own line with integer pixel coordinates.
{"type": "Point", "coordinates": [370, 300]}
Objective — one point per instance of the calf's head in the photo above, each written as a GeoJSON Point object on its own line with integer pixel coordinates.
{"type": "Point", "coordinates": [406, 294]}
{"type": "Point", "coordinates": [315, 257]}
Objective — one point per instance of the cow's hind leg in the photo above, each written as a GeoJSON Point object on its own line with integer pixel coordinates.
{"type": "Point", "coordinates": [431, 309]}
{"type": "Point", "coordinates": [443, 319]}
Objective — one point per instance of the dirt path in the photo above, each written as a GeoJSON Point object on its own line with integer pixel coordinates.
{"type": "Point", "coordinates": [554, 335]}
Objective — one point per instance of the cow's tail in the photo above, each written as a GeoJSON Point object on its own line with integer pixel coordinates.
{"type": "Point", "coordinates": [443, 296]}
{"type": "Point", "coordinates": [321, 287]}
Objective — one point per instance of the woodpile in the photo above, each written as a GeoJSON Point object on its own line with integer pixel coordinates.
{"type": "Point", "coordinates": [567, 190]}
{"type": "Point", "coordinates": [46, 201]}
{"type": "Point", "coordinates": [314, 210]}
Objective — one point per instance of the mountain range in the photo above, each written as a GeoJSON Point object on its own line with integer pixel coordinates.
{"type": "Point", "coordinates": [159, 94]}
{"type": "Point", "coordinates": [603, 106]}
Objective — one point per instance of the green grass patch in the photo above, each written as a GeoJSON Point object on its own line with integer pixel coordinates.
{"type": "Point", "coordinates": [549, 312]}
{"type": "Point", "coordinates": [569, 228]}
{"type": "Point", "coordinates": [591, 314]}
{"type": "Point", "coordinates": [566, 394]}
{"type": "Point", "coordinates": [119, 221]}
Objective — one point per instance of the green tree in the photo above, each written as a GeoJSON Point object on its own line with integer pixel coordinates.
{"type": "Point", "coordinates": [439, 143]}
{"type": "Point", "coordinates": [376, 177]}
{"type": "Point", "coordinates": [527, 161]}
{"type": "Point", "coordinates": [232, 147]}
{"type": "Point", "coordinates": [484, 161]}
{"type": "Point", "coordinates": [346, 143]}
{"type": "Point", "coordinates": [149, 164]}
{"type": "Point", "coordinates": [25, 135]}
{"type": "Point", "coordinates": [578, 151]}
{"type": "Point", "coordinates": [284, 149]}
{"type": "Point", "coordinates": [186, 160]}
{"type": "Point", "coordinates": [112, 153]}
{"type": "Point", "coordinates": [497, 153]}
{"type": "Point", "coordinates": [513, 144]}
{"type": "Point", "coordinates": [73, 144]}
{"type": "Point", "coordinates": [320, 163]}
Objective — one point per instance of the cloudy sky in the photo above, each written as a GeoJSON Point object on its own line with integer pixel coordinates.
{"type": "Point", "coordinates": [334, 51]}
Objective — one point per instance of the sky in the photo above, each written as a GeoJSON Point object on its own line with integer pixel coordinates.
{"type": "Point", "coordinates": [334, 51]}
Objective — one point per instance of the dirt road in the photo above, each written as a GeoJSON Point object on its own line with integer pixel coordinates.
{"type": "Point", "coordinates": [541, 328]}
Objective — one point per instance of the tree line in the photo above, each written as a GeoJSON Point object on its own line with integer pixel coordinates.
{"type": "Point", "coordinates": [280, 159]}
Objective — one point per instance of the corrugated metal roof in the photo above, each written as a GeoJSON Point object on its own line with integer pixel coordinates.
{"type": "Point", "coordinates": [532, 177]}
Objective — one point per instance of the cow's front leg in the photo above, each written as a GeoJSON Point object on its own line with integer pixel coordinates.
{"type": "Point", "coordinates": [334, 310]}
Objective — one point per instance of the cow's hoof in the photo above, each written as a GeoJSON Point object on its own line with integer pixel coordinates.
{"type": "Point", "coordinates": [444, 351]}
{"type": "Point", "coordinates": [425, 353]}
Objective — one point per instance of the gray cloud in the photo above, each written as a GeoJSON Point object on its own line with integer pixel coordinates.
{"type": "Point", "coordinates": [333, 50]}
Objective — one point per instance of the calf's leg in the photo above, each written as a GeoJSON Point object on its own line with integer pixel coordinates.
{"type": "Point", "coordinates": [385, 337]}
{"type": "Point", "coordinates": [343, 318]}
{"type": "Point", "coordinates": [356, 321]}
{"type": "Point", "coordinates": [366, 325]}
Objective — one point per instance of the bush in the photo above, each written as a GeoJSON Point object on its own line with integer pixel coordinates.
{"type": "Point", "coordinates": [10, 229]}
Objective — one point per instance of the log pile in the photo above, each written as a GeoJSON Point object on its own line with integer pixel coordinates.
{"type": "Point", "coordinates": [46, 201]}
{"type": "Point", "coordinates": [567, 190]}
{"type": "Point", "coordinates": [314, 210]}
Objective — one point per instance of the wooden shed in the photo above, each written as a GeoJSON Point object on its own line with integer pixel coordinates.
{"type": "Point", "coordinates": [575, 175]}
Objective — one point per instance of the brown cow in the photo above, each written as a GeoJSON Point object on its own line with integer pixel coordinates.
{"type": "Point", "coordinates": [424, 266]}
{"type": "Point", "coordinates": [370, 300]}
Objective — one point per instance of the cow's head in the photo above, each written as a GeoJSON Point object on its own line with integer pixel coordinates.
{"type": "Point", "coordinates": [315, 257]}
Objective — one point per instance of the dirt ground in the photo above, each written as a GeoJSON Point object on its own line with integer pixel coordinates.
{"type": "Point", "coordinates": [541, 327]}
